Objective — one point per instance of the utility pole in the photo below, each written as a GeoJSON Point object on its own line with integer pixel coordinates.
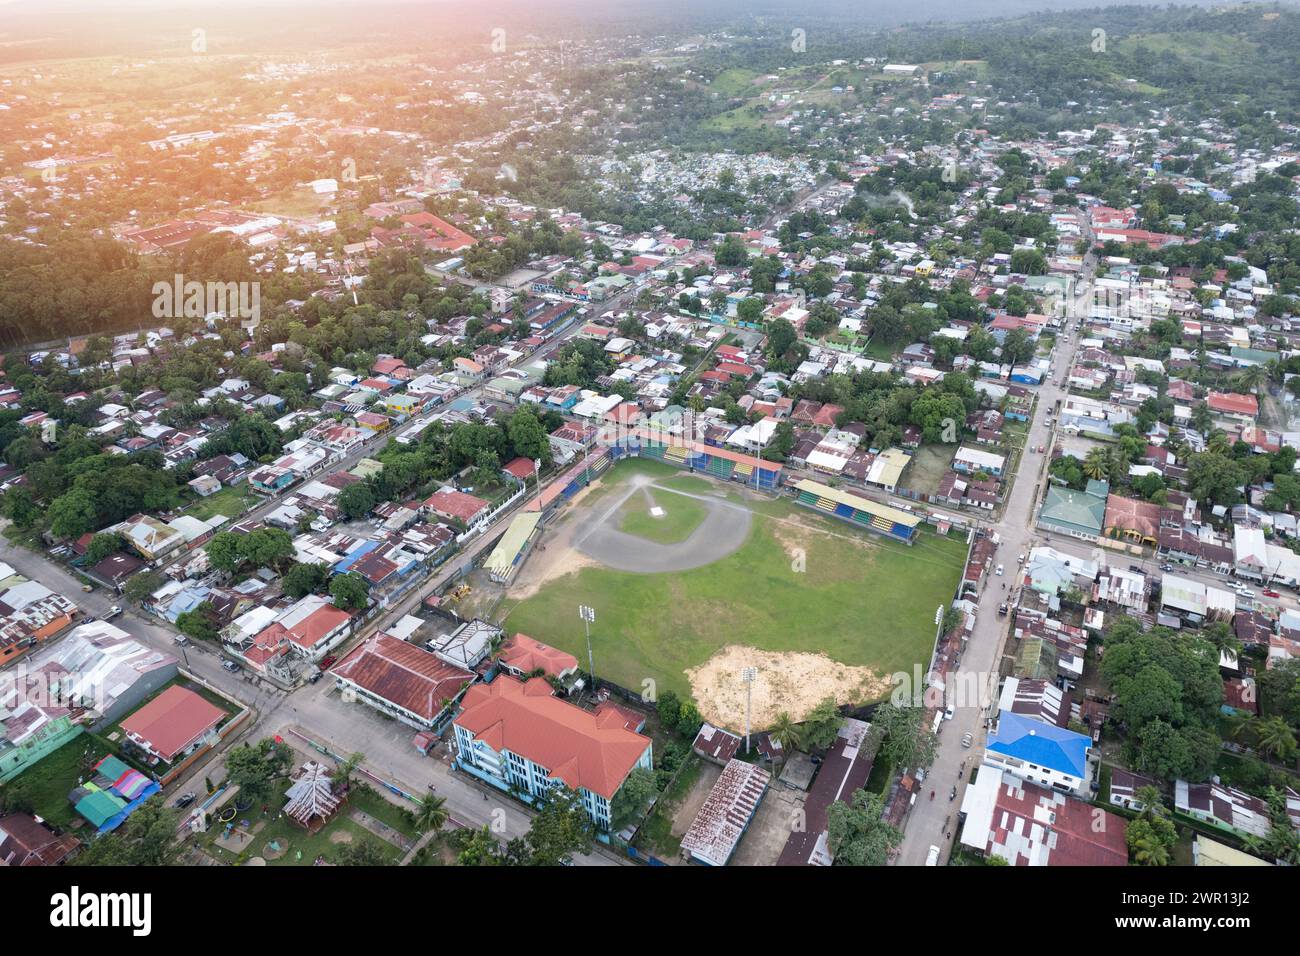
{"type": "Point", "coordinates": [748, 675]}
{"type": "Point", "coordinates": [588, 616]}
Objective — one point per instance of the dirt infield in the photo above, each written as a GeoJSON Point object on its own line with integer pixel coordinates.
{"type": "Point", "coordinates": [794, 682]}
{"type": "Point", "coordinates": [723, 530]}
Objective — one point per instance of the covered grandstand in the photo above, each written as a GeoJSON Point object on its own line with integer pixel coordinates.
{"type": "Point", "coordinates": [697, 456]}
{"type": "Point", "coordinates": [572, 481]}
{"type": "Point", "coordinates": [513, 547]}
{"type": "Point", "coordinates": [882, 519]}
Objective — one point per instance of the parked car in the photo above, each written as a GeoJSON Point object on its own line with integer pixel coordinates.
{"type": "Point", "coordinates": [180, 640]}
{"type": "Point", "coordinates": [932, 858]}
{"type": "Point", "coordinates": [1002, 610]}
{"type": "Point", "coordinates": [947, 713]}
{"type": "Point", "coordinates": [315, 677]}
{"type": "Point", "coordinates": [184, 800]}
{"type": "Point", "coordinates": [998, 571]}
{"type": "Point", "coordinates": [328, 662]}
{"type": "Point", "coordinates": [967, 740]}
{"type": "Point", "coordinates": [231, 666]}
{"type": "Point", "coordinates": [1166, 567]}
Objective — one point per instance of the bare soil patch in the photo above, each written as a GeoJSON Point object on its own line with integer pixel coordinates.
{"type": "Point", "coordinates": [794, 682]}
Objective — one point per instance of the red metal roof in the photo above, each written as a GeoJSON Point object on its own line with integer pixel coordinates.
{"type": "Point", "coordinates": [173, 720]}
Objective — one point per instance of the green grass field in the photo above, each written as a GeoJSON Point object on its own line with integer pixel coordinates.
{"type": "Point", "coordinates": [682, 515]}
{"type": "Point", "coordinates": [46, 785]}
{"type": "Point", "coordinates": [734, 82]}
{"type": "Point", "coordinates": [229, 501]}
{"type": "Point", "coordinates": [862, 600]}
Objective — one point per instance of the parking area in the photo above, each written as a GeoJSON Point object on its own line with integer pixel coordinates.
{"type": "Point", "coordinates": [780, 813]}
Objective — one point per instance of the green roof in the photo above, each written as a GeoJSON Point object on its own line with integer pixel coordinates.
{"type": "Point", "coordinates": [503, 555]}
{"type": "Point", "coordinates": [111, 767]}
{"type": "Point", "coordinates": [99, 806]}
{"type": "Point", "coordinates": [1077, 509]}
{"type": "Point", "coordinates": [1259, 356]}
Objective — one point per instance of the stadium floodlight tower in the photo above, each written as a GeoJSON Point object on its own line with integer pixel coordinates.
{"type": "Point", "coordinates": [588, 616]}
{"type": "Point", "coordinates": [748, 675]}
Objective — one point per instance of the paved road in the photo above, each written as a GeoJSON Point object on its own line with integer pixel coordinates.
{"type": "Point", "coordinates": [202, 662]}
{"type": "Point", "coordinates": [934, 822]}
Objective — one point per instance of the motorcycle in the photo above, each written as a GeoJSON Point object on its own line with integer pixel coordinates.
{"type": "Point", "coordinates": [952, 796]}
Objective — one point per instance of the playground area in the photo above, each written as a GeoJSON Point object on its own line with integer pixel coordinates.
{"type": "Point", "coordinates": [265, 836]}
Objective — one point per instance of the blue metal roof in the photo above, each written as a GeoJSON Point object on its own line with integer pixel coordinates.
{"type": "Point", "coordinates": [1044, 745]}
{"type": "Point", "coordinates": [355, 555]}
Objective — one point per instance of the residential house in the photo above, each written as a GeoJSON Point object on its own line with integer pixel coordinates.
{"type": "Point", "coordinates": [175, 723]}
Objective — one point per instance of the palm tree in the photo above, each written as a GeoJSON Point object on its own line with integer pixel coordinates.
{"type": "Point", "coordinates": [1148, 850]}
{"type": "Point", "coordinates": [346, 768]}
{"type": "Point", "coordinates": [1283, 843]}
{"type": "Point", "coordinates": [1240, 727]}
{"type": "Point", "coordinates": [1218, 443]}
{"type": "Point", "coordinates": [1273, 738]}
{"type": "Point", "coordinates": [1224, 640]}
{"type": "Point", "coordinates": [430, 814]}
{"type": "Point", "coordinates": [1152, 802]}
{"type": "Point", "coordinates": [1253, 378]}
{"type": "Point", "coordinates": [1097, 463]}
{"type": "Point", "coordinates": [786, 733]}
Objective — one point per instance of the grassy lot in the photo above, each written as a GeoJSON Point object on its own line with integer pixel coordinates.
{"type": "Point", "coordinates": [928, 466]}
{"type": "Point", "coordinates": [880, 350]}
{"type": "Point", "coordinates": [47, 784]}
{"type": "Point", "coordinates": [734, 82]}
{"type": "Point", "coordinates": [293, 203]}
{"type": "Point", "coordinates": [656, 835]}
{"type": "Point", "coordinates": [742, 117]}
{"type": "Point", "coordinates": [382, 809]}
{"type": "Point", "coordinates": [682, 515]}
{"type": "Point", "coordinates": [229, 501]}
{"type": "Point", "coordinates": [862, 600]}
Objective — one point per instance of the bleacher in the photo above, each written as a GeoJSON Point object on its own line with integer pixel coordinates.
{"type": "Point", "coordinates": [707, 459]}
{"type": "Point", "coordinates": [882, 519]}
